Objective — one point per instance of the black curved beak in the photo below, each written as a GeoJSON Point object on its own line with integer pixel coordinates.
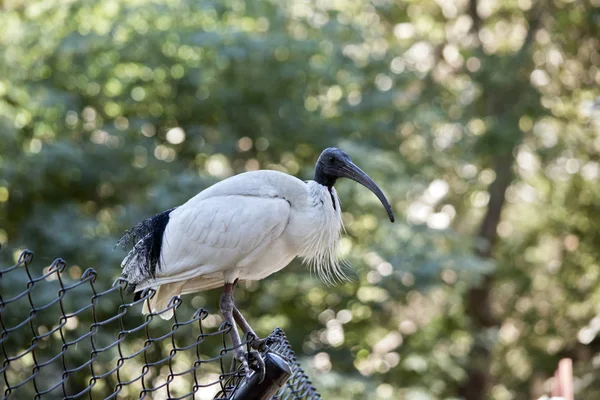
{"type": "Point", "coordinates": [350, 170]}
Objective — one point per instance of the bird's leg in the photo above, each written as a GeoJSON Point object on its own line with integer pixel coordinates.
{"type": "Point", "coordinates": [227, 309]}
{"type": "Point", "coordinates": [255, 343]}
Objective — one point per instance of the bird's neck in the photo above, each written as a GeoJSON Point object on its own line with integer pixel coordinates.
{"type": "Point", "coordinates": [323, 178]}
{"type": "Point", "coordinates": [326, 180]}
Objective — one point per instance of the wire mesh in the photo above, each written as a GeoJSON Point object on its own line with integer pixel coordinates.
{"type": "Point", "coordinates": [51, 350]}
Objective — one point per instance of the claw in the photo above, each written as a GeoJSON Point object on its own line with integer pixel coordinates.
{"type": "Point", "coordinates": [242, 358]}
{"type": "Point", "coordinates": [254, 359]}
{"type": "Point", "coordinates": [256, 343]}
{"type": "Point", "coordinates": [259, 364]}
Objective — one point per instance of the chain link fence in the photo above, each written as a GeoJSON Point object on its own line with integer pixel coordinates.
{"type": "Point", "coordinates": [49, 352]}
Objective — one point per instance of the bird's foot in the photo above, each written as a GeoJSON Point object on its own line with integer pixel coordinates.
{"type": "Point", "coordinates": [251, 360]}
{"type": "Point", "coordinates": [256, 343]}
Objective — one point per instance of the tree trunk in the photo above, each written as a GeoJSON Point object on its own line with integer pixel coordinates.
{"type": "Point", "coordinates": [477, 301]}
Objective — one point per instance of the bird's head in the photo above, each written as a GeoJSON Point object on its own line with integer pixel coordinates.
{"type": "Point", "coordinates": [334, 163]}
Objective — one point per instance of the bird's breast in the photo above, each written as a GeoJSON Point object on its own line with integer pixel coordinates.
{"type": "Point", "coordinates": [315, 226]}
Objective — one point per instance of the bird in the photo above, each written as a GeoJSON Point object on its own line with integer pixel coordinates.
{"type": "Point", "coordinates": [243, 228]}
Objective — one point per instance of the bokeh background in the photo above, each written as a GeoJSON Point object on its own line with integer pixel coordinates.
{"type": "Point", "coordinates": [478, 118]}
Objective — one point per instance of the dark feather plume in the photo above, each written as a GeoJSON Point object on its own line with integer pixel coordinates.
{"type": "Point", "coordinates": [143, 261]}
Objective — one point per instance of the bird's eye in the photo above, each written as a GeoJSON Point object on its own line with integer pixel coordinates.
{"type": "Point", "coordinates": [331, 159]}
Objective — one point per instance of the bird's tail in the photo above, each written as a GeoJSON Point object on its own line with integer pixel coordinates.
{"type": "Point", "coordinates": [160, 301]}
{"type": "Point", "coordinates": [164, 292]}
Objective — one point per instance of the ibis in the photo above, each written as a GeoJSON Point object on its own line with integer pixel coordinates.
{"type": "Point", "coordinates": [243, 228]}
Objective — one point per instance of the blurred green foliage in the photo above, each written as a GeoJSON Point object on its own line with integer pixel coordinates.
{"type": "Point", "coordinates": [112, 111]}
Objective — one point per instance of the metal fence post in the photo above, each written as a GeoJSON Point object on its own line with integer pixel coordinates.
{"type": "Point", "coordinates": [277, 373]}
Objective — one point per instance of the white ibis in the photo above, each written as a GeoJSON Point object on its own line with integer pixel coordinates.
{"type": "Point", "coordinates": [243, 228]}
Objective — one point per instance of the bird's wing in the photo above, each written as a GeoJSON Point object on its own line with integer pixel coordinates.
{"type": "Point", "coordinates": [220, 233]}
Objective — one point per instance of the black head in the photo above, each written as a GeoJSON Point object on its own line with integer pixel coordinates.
{"type": "Point", "coordinates": [334, 163]}
{"type": "Point", "coordinates": [328, 170]}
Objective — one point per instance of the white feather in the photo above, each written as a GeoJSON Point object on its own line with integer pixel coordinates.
{"type": "Point", "coordinates": [321, 249]}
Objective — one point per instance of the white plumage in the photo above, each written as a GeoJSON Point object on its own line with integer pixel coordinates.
{"type": "Point", "coordinates": [245, 227]}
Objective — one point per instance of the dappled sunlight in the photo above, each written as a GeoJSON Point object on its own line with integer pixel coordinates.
{"type": "Point", "coordinates": [479, 120]}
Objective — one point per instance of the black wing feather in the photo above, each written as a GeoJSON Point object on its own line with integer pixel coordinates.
{"type": "Point", "coordinates": [146, 237]}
